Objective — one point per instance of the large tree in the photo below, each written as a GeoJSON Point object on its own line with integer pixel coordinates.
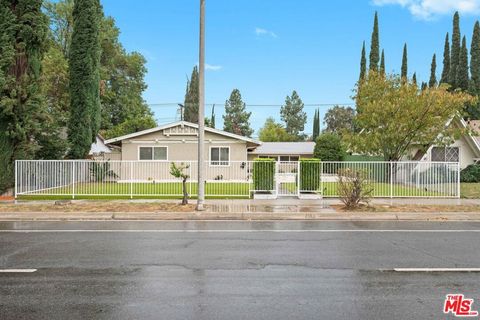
{"type": "Point", "coordinates": [382, 63]}
{"type": "Point", "coordinates": [393, 116]}
{"type": "Point", "coordinates": [237, 119]}
{"type": "Point", "coordinates": [473, 110]}
{"type": "Point", "coordinates": [363, 63]}
{"type": "Point", "coordinates": [462, 78]}
{"type": "Point", "coordinates": [455, 51]}
{"type": "Point", "coordinates": [404, 70]}
{"type": "Point", "coordinates": [375, 45]}
{"type": "Point", "coordinates": [191, 98]}
{"type": "Point", "coordinates": [316, 125]}
{"type": "Point", "coordinates": [446, 61]}
{"type": "Point", "coordinates": [273, 131]}
{"type": "Point", "coordinates": [340, 119]}
{"type": "Point", "coordinates": [84, 66]}
{"type": "Point", "coordinates": [433, 72]}
{"type": "Point", "coordinates": [293, 115]}
{"type": "Point", "coordinates": [22, 107]}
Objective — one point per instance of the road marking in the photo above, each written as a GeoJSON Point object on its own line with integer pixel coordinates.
{"type": "Point", "coordinates": [241, 231]}
{"type": "Point", "coordinates": [17, 270]}
{"type": "Point", "coordinates": [436, 269]}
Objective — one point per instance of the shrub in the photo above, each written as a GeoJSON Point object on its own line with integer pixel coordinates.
{"type": "Point", "coordinates": [178, 172]}
{"type": "Point", "coordinates": [353, 188]}
{"type": "Point", "coordinates": [310, 172]}
{"type": "Point", "coordinates": [329, 147]}
{"type": "Point", "coordinates": [264, 174]}
{"type": "Point", "coordinates": [470, 174]}
{"type": "Point", "coordinates": [100, 171]}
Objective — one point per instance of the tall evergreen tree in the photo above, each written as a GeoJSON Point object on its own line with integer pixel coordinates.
{"type": "Point", "coordinates": [424, 86]}
{"type": "Point", "coordinates": [382, 63]}
{"type": "Point", "coordinates": [475, 60]}
{"type": "Point", "coordinates": [22, 108]}
{"type": "Point", "coordinates": [404, 71]}
{"type": "Point", "coordinates": [212, 117]}
{"type": "Point", "coordinates": [446, 61]}
{"type": "Point", "coordinates": [293, 115]}
{"type": "Point", "coordinates": [363, 63]}
{"type": "Point", "coordinates": [414, 78]}
{"type": "Point", "coordinates": [375, 45]}
{"type": "Point", "coordinates": [237, 119]}
{"type": "Point", "coordinates": [316, 125]}
{"type": "Point", "coordinates": [462, 79]}
{"type": "Point", "coordinates": [192, 98]}
{"type": "Point", "coordinates": [433, 72]}
{"type": "Point", "coordinates": [84, 66]}
{"type": "Point", "coordinates": [455, 51]}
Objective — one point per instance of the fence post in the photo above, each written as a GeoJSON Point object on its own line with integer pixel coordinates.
{"type": "Point", "coordinates": [458, 180]}
{"type": "Point", "coordinates": [73, 179]}
{"type": "Point", "coordinates": [391, 180]}
{"type": "Point", "coordinates": [298, 178]}
{"type": "Point", "coordinates": [16, 174]}
{"type": "Point", "coordinates": [131, 179]}
{"type": "Point", "coordinates": [321, 178]}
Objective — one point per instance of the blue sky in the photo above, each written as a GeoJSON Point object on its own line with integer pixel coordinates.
{"type": "Point", "coordinates": [267, 48]}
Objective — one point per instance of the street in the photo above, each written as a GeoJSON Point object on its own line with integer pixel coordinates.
{"type": "Point", "coordinates": [235, 270]}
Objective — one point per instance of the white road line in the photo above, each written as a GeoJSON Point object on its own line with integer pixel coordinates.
{"type": "Point", "coordinates": [17, 270]}
{"type": "Point", "coordinates": [436, 269]}
{"type": "Point", "coordinates": [242, 231]}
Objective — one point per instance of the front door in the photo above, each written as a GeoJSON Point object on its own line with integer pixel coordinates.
{"type": "Point", "coordinates": [286, 178]}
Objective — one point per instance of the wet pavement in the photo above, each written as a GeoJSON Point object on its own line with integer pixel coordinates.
{"type": "Point", "coordinates": [234, 270]}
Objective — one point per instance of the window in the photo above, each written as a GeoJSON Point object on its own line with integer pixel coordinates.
{"type": "Point", "coordinates": [449, 154]}
{"type": "Point", "coordinates": [289, 158]}
{"type": "Point", "coordinates": [219, 156]}
{"type": "Point", "coordinates": [152, 153]}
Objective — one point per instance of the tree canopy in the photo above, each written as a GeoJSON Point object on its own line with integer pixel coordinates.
{"type": "Point", "coordinates": [293, 115]}
{"type": "Point", "coordinates": [273, 131]}
{"type": "Point", "coordinates": [237, 119]}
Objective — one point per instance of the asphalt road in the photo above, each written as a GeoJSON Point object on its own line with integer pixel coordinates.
{"type": "Point", "coordinates": [234, 270]}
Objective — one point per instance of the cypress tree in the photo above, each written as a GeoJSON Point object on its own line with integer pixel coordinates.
{"type": "Point", "coordinates": [84, 65]}
{"type": "Point", "coordinates": [455, 51]}
{"type": "Point", "coordinates": [462, 70]}
{"type": "Point", "coordinates": [22, 107]}
{"type": "Point", "coordinates": [375, 46]}
{"type": "Point", "coordinates": [424, 86]}
{"type": "Point", "coordinates": [414, 78]}
{"type": "Point", "coordinates": [363, 63]}
{"type": "Point", "coordinates": [316, 125]}
{"type": "Point", "coordinates": [382, 63]}
{"type": "Point", "coordinates": [212, 118]}
{"type": "Point", "coordinates": [192, 98]}
{"type": "Point", "coordinates": [475, 59]}
{"type": "Point", "coordinates": [433, 70]}
{"type": "Point", "coordinates": [404, 72]}
{"type": "Point", "coordinates": [237, 119]}
{"type": "Point", "coordinates": [446, 61]}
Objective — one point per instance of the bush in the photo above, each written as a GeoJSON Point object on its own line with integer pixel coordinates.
{"type": "Point", "coordinates": [264, 174]}
{"type": "Point", "coordinates": [310, 172]}
{"type": "Point", "coordinates": [353, 188]}
{"type": "Point", "coordinates": [100, 171]}
{"type": "Point", "coordinates": [329, 147]}
{"type": "Point", "coordinates": [470, 174]}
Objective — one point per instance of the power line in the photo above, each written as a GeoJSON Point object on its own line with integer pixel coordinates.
{"type": "Point", "coordinates": [170, 104]}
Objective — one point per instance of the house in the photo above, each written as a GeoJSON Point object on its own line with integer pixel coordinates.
{"type": "Point", "coordinates": [283, 151]}
{"type": "Point", "coordinates": [465, 149]}
{"type": "Point", "coordinates": [178, 142]}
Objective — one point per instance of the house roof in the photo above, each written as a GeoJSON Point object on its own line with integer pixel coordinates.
{"type": "Point", "coordinates": [99, 146]}
{"type": "Point", "coordinates": [285, 148]}
{"type": "Point", "coordinates": [182, 123]}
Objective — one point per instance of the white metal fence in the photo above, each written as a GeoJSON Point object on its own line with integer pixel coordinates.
{"type": "Point", "coordinates": [238, 179]}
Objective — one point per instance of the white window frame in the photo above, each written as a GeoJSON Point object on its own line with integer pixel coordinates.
{"type": "Point", "coordinates": [210, 156]}
{"type": "Point", "coordinates": [153, 152]}
{"type": "Point", "coordinates": [444, 152]}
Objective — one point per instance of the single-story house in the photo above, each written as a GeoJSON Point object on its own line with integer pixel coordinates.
{"type": "Point", "coordinates": [465, 149]}
{"type": "Point", "coordinates": [283, 151]}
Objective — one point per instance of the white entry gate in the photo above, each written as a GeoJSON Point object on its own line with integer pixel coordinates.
{"type": "Point", "coordinates": [286, 178]}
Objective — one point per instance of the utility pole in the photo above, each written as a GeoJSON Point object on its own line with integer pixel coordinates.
{"type": "Point", "coordinates": [201, 112]}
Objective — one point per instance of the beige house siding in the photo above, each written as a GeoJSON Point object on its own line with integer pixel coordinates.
{"type": "Point", "coordinates": [252, 157]}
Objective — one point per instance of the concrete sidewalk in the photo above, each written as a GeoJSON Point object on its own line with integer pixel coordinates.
{"type": "Point", "coordinates": [283, 209]}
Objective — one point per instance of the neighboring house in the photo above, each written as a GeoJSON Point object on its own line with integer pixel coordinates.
{"type": "Point", "coordinates": [100, 151]}
{"type": "Point", "coordinates": [465, 150]}
{"type": "Point", "coordinates": [283, 151]}
{"type": "Point", "coordinates": [178, 142]}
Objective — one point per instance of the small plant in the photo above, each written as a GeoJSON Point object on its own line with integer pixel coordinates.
{"type": "Point", "coordinates": [353, 188]}
{"type": "Point", "coordinates": [100, 171]}
{"type": "Point", "coordinates": [178, 172]}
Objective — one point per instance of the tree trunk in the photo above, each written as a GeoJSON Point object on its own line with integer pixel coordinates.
{"type": "Point", "coordinates": [185, 194]}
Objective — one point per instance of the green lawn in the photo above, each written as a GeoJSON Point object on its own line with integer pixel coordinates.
{"type": "Point", "coordinates": [221, 190]}
{"type": "Point", "coordinates": [470, 190]}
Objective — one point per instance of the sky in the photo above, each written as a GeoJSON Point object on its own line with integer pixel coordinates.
{"type": "Point", "coordinates": [267, 48]}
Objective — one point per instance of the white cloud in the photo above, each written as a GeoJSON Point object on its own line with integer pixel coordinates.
{"type": "Point", "coordinates": [428, 9]}
{"type": "Point", "coordinates": [212, 67]}
{"type": "Point", "coordinates": [264, 32]}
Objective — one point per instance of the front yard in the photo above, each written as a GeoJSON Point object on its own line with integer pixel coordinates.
{"type": "Point", "coordinates": [470, 190]}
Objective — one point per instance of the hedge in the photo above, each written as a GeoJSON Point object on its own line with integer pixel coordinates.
{"type": "Point", "coordinates": [264, 174]}
{"type": "Point", "coordinates": [470, 174]}
{"type": "Point", "coordinates": [310, 172]}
